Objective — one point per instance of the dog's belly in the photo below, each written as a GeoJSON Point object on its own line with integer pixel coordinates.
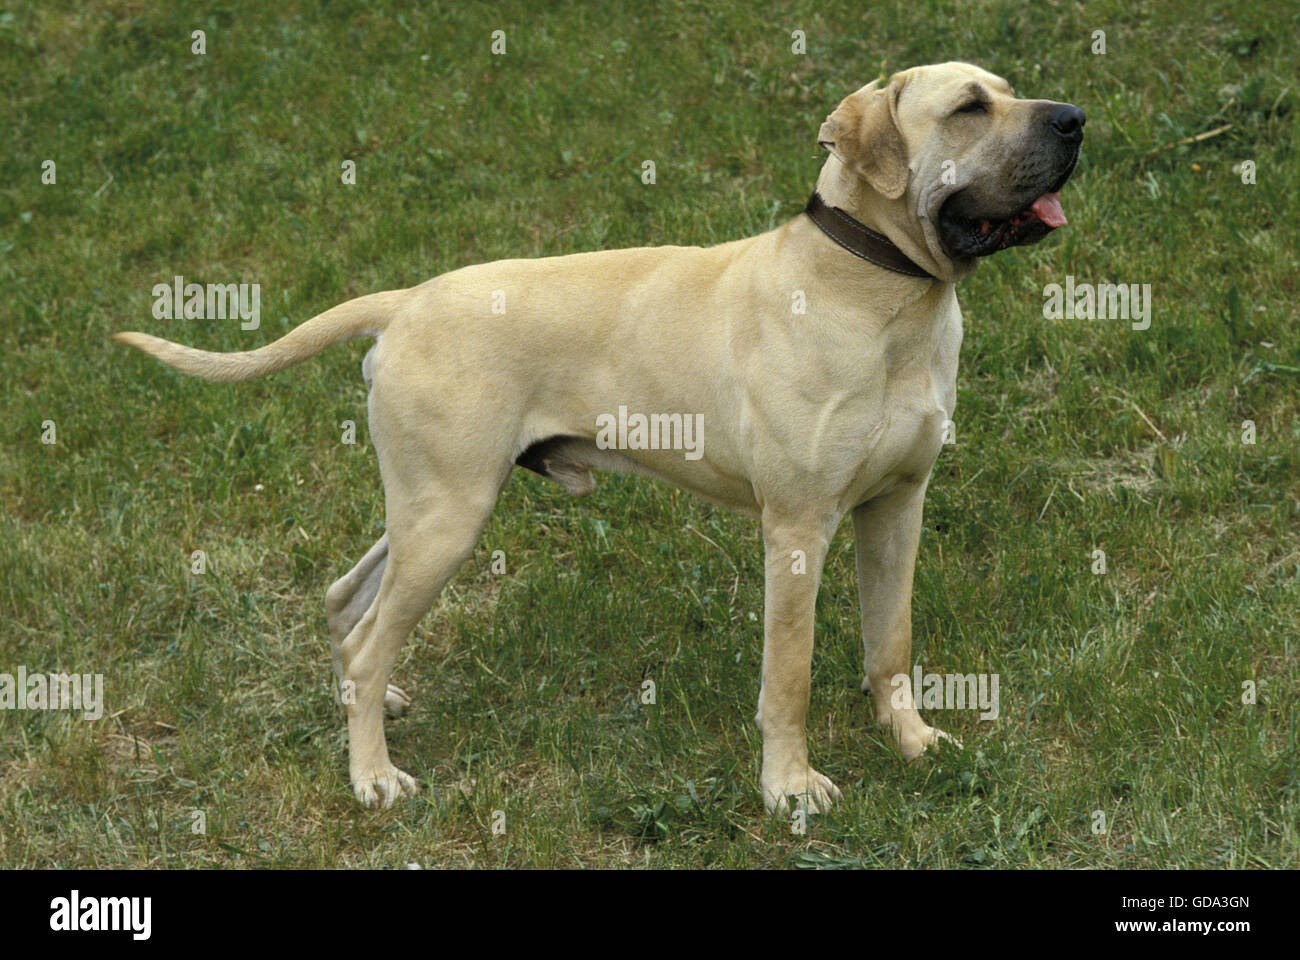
{"type": "Point", "coordinates": [844, 462]}
{"type": "Point", "coordinates": [570, 460]}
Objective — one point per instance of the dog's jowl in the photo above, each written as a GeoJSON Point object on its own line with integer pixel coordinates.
{"type": "Point", "coordinates": [803, 417]}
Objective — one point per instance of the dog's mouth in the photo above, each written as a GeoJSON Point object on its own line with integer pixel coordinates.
{"type": "Point", "coordinates": [978, 236]}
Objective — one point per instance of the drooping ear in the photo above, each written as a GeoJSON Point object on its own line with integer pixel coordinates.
{"type": "Point", "coordinates": [863, 133]}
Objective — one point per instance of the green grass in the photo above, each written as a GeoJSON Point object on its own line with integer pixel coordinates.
{"type": "Point", "coordinates": [1120, 692]}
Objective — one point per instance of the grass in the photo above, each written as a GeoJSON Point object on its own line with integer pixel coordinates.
{"type": "Point", "coordinates": [1121, 692]}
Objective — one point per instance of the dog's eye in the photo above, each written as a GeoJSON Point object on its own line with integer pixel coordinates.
{"type": "Point", "coordinates": [975, 106]}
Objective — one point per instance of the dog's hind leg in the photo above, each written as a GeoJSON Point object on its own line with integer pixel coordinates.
{"type": "Point", "coordinates": [429, 537]}
{"type": "Point", "coordinates": [347, 599]}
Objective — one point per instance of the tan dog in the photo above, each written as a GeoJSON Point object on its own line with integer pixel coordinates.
{"type": "Point", "coordinates": [806, 416]}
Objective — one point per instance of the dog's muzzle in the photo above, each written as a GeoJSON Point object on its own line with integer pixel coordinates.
{"type": "Point", "coordinates": [1035, 210]}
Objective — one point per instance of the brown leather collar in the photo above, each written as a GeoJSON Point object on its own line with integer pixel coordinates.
{"type": "Point", "coordinates": [860, 240]}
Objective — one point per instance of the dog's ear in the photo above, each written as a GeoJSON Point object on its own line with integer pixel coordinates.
{"type": "Point", "coordinates": [863, 133]}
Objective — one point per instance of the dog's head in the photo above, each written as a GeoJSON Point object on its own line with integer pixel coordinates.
{"type": "Point", "coordinates": [948, 153]}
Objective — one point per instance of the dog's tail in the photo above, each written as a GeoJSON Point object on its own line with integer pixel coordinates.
{"type": "Point", "coordinates": [364, 316]}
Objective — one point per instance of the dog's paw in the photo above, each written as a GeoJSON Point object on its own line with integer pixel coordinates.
{"type": "Point", "coordinates": [812, 791]}
{"type": "Point", "coordinates": [382, 787]}
{"type": "Point", "coordinates": [914, 736]}
{"type": "Point", "coordinates": [396, 700]}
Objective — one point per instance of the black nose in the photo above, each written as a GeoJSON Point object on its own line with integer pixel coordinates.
{"type": "Point", "coordinates": [1067, 120]}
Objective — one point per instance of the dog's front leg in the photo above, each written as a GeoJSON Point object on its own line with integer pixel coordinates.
{"type": "Point", "coordinates": [887, 532]}
{"type": "Point", "coordinates": [795, 551]}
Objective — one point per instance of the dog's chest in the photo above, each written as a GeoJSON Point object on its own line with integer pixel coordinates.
{"type": "Point", "coordinates": [918, 418]}
{"type": "Point", "coordinates": [904, 427]}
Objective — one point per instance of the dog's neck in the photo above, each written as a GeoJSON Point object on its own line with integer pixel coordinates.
{"type": "Point", "coordinates": [841, 187]}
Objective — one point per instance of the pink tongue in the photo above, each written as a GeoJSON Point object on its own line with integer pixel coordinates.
{"type": "Point", "coordinates": [1048, 209]}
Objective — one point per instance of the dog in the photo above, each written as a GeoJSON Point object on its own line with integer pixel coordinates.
{"type": "Point", "coordinates": [807, 414]}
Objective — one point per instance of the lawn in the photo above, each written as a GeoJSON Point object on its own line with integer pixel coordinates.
{"type": "Point", "coordinates": [1148, 712]}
